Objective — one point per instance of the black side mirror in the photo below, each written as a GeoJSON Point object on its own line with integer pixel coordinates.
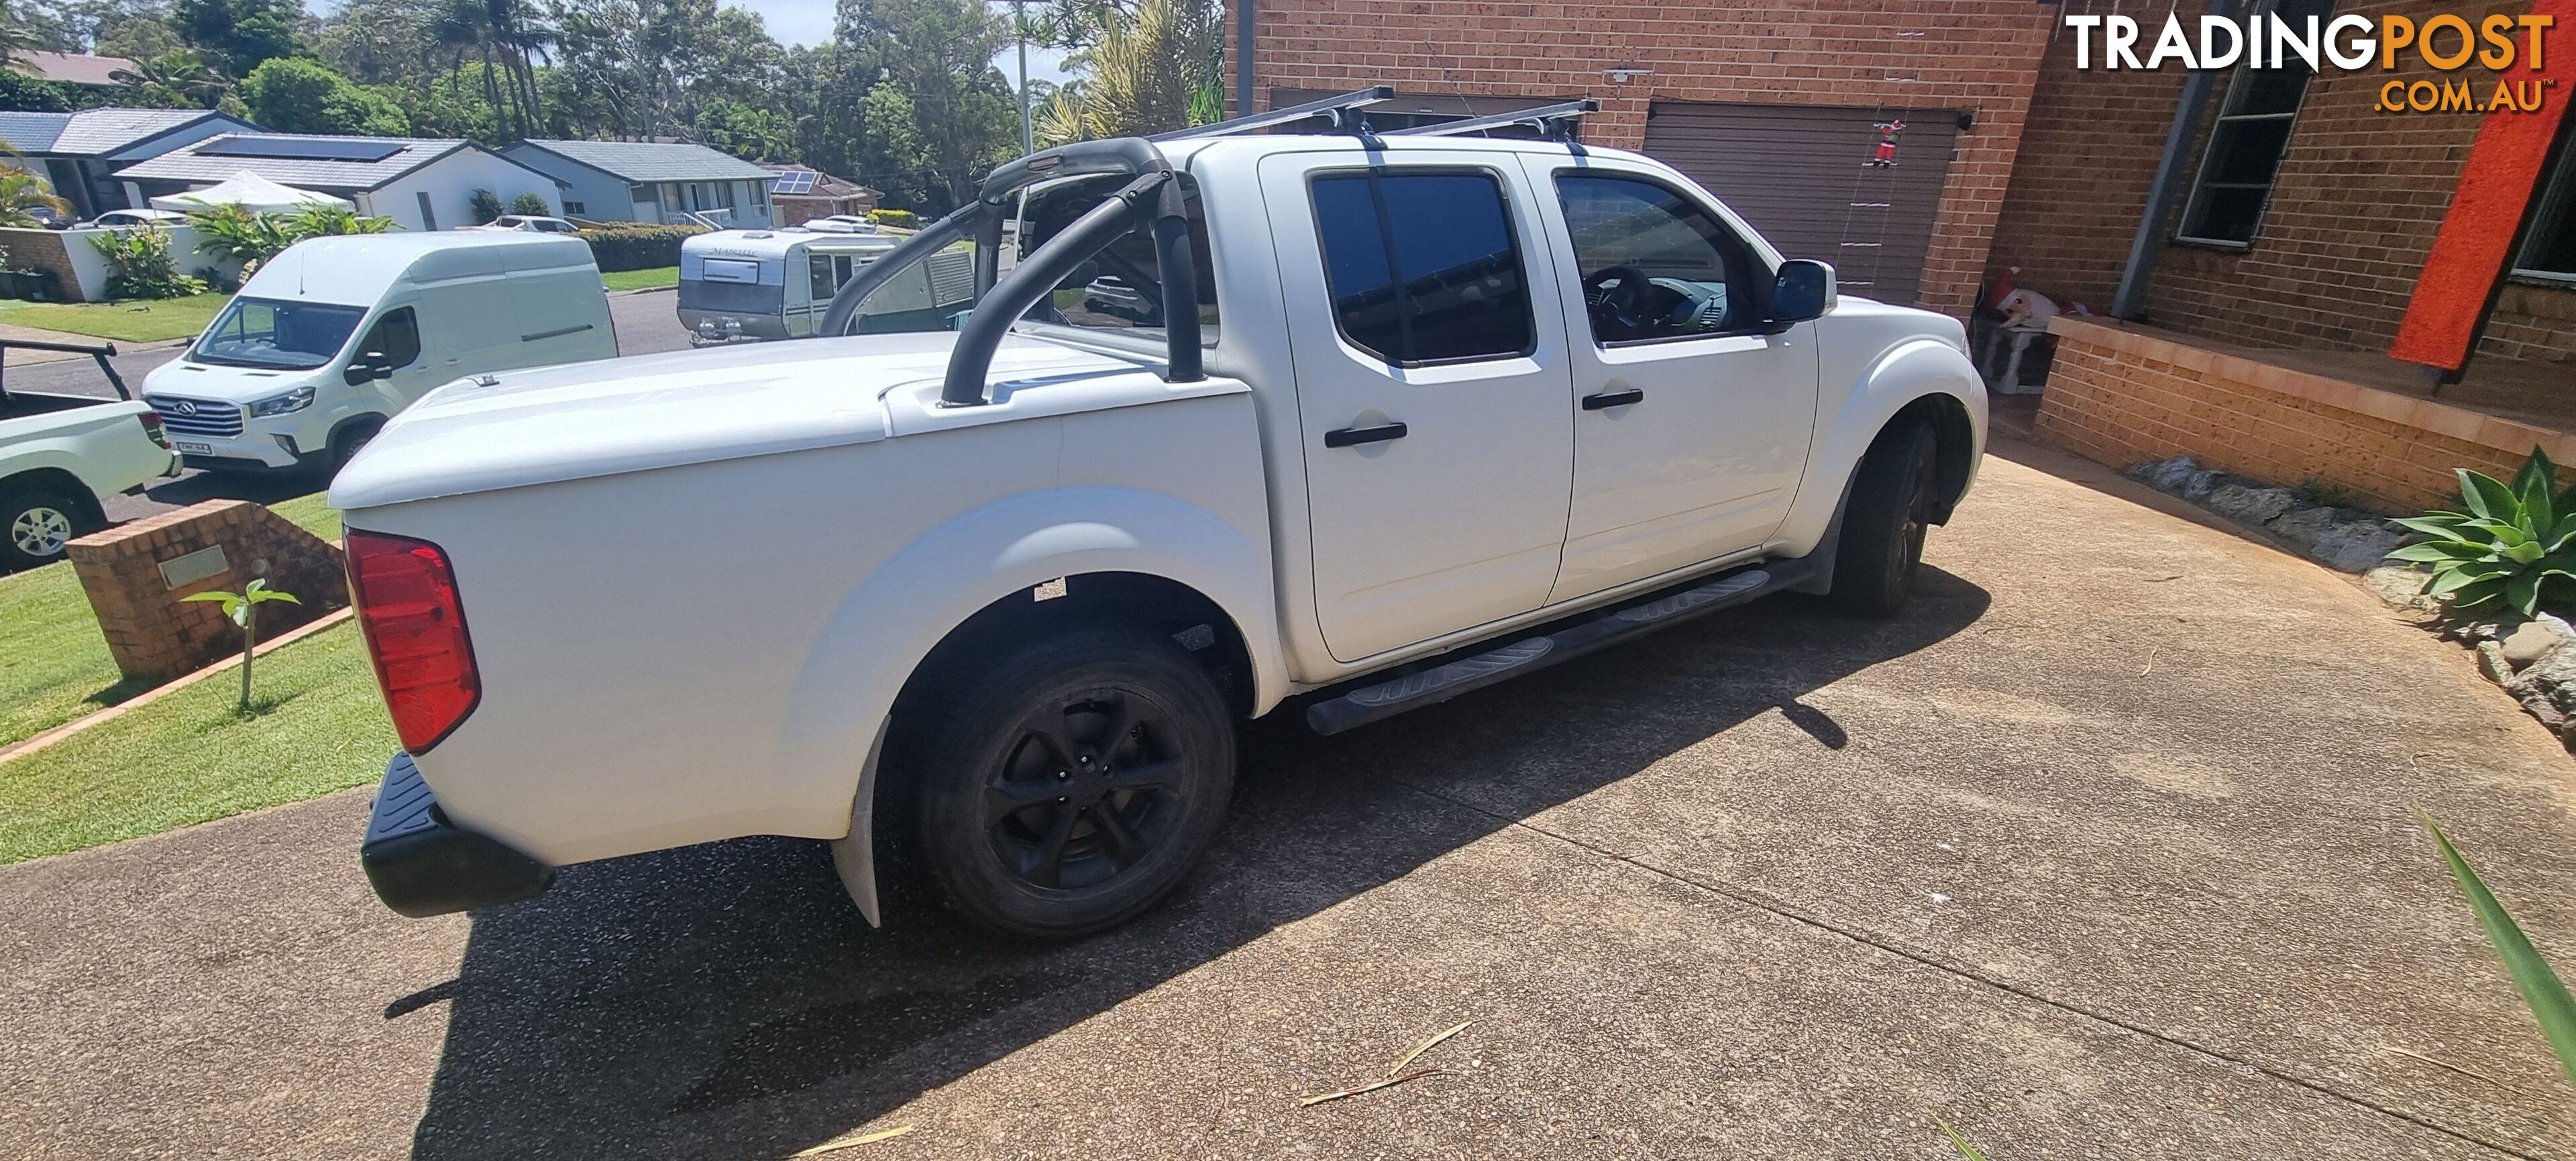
{"type": "Point", "coordinates": [368, 368]}
{"type": "Point", "coordinates": [1804, 290]}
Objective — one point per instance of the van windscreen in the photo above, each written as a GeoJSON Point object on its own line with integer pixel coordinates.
{"type": "Point", "coordinates": [295, 336]}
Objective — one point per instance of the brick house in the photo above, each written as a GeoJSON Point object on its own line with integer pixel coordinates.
{"type": "Point", "coordinates": [2263, 320]}
{"type": "Point", "coordinates": [803, 193]}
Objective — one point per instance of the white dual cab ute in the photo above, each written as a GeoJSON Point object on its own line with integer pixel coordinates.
{"type": "Point", "coordinates": [61, 455]}
{"type": "Point", "coordinates": [333, 336]}
{"type": "Point", "coordinates": [1412, 414]}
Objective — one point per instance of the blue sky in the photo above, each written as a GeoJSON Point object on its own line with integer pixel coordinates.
{"type": "Point", "coordinates": [810, 22]}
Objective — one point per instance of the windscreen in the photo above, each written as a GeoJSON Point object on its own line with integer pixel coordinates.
{"type": "Point", "coordinates": [258, 332]}
{"type": "Point", "coordinates": [1121, 288]}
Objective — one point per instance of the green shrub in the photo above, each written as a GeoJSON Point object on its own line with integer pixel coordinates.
{"type": "Point", "coordinates": [232, 233]}
{"type": "Point", "coordinates": [638, 248]}
{"type": "Point", "coordinates": [531, 205]}
{"type": "Point", "coordinates": [486, 206]}
{"type": "Point", "coordinates": [141, 265]}
{"type": "Point", "coordinates": [904, 219]}
{"type": "Point", "coordinates": [2509, 542]}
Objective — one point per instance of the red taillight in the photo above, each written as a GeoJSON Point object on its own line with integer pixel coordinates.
{"type": "Point", "coordinates": [152, 427]}
{"type": "Point", "coordinates": [406, 599]}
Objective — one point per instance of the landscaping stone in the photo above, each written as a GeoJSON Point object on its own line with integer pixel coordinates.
{"type": "Point", "coordinates": [2535, 639]}
{"type": "Point", "coordinates": [2166, 475]}
{"type": "Point", "coordinates": [2303, 526]}
{"type": "Point", "coordinates": [2359, 546]}
{"type": "Point", "coordinates": [2492, 663]}
{"type": "Point", "coordinates": [2251, 505]}
{"type": "Point", "coordinates": [2398, 584]}
{"type": "Point", "coordinates": [2200, 484]}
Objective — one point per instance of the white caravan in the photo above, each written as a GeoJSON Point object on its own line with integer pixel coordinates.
{"type": "Point", "coordinates": [776, 284]}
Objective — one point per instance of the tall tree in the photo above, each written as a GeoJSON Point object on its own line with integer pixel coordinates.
{"type": "Point", "coordinates": [236, 36]}
{"type": "Point", "coordinates": [946, 114]}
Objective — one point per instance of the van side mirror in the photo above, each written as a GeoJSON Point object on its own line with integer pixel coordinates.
{"type": "Point", "coordinates": [1803, 291]}
{"type": "Point", "coordinates": [368, 368]}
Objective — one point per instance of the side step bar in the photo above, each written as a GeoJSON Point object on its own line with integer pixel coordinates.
{"type": "Point", "coordinates": [1597, 630]}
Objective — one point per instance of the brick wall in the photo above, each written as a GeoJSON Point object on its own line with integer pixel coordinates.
{"type": "Point", "coordinates": [2354, 209]}
{"type": "Point", "coordinates": [42, 250]}
{"type": "Point", "coordinates": [153, 633]}
{"type": "Point", "coordinates": [2126, 396]}
{"type": "Point", "coordinates": [1975, 55]}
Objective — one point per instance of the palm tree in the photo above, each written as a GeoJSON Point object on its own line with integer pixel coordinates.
{"type": "Point", "coordinates": [21, 193]}
{"type": "Point", "coordinates": [1155, 66]}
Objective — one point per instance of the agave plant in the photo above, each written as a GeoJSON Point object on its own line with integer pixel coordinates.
{"type": "Point", "coordinates": [2514, 543]}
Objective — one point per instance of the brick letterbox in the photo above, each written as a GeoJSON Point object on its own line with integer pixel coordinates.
{"type": "Point", "coordinates": [137, 573]}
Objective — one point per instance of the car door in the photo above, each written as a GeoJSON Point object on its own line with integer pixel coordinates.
{"type": "Point", "coordinates": [1692, 415]}
{"type": "Point", "coordinates": [396, 336]}
{"type": "Point", "coordinates": [1431, 390]}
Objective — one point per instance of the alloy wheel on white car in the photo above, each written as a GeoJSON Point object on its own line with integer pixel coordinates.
{"type": "Point", "coordinates": [41, 530]}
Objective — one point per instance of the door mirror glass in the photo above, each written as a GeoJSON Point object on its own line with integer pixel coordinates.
{"type": "Point", "coordinates": [1804, 290]}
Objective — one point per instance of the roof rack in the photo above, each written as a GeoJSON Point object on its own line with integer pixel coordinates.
{"type": "Point", "coordinates": [1546, 119]}
{"type": "Point", "coordinates": [1250, 122]}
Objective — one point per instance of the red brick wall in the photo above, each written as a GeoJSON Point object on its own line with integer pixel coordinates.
{"type": "Point", "coordinates": [1977, 55]}
{"type": "Point", "coordinates": [152, 631]}
{"type": "Point", "coordinates": [2358, 199]}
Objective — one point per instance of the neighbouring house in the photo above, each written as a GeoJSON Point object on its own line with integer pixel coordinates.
{"type": "Point", "coordinates": [803, 194]}
{"type": "Point", "coordinates": [70, 68]}
{"type": "Point", "coordinates": [421, 183]}
{"type": "Point", "coordinates": [79, 153]}
{"type": "Point", "coordinates": [652, 181]}
{"type": "Point", "coordinates": [1773, 107]}
{"type": "Point", "coordinates": [2314, 303]}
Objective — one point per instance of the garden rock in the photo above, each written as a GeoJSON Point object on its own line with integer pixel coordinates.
{"type": "Point", "coordinates": [2397, 584]}
{"type": "Point", "coordinates": [2166, 475]}
{"type": "Point", "coordinates": [2303, 526]}
{"type": "Point", "coordinates": [2359, 546]}
{"type": "Point", "coordinates": [2251, 505]}
{"type": "Point", "coordinates": [2535, 639]}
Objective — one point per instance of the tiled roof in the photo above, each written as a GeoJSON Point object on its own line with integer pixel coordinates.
{"type": "Point", "coordinates": [651, 161]}
{"type": "Point", "coordinates": [91, 132]}
{"type": "Point", "coordinates": [191, 163]}
{"type": "Point", "coordinates": [73, 68]}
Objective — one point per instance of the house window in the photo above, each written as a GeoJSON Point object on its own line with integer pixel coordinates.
{"type": "Point", "coordinates": [1423, 266]}
{"type": "Point", "coordinates": [428, 217]}
{"type": "Point", "coordinates": [2549, 250]}
{"type": "Point", "coordinates": [573, 207]}
{"type": "Point", "coordinates": [724, 191]}
{"type": "Point", "coordinates": [2252, 133]}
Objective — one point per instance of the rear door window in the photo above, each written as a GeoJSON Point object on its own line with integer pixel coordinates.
{"type": "Point", "coordinates": [1424, 266]}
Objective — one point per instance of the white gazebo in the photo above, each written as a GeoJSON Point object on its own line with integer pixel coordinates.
{"type": "Point", "coordinates": [252, 192]}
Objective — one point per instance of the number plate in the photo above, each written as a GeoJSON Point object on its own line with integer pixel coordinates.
{"type": "Point", "coordinates": [194, 449]}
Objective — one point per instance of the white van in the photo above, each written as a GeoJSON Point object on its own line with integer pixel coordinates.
{"type": "Point", "coordinates": [776, 284]}
{"type": "Point", "coordinates": [331, 338]}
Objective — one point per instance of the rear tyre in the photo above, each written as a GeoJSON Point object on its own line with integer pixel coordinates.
{"type": "Point", "coordinates": [1893, 496]}
{"type": "Point", "coordinates": [1069, 785]}
{"type": "Point", "coordinates": [36, 522]}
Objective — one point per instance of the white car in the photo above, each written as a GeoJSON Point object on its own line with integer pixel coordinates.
{"type": "Point", "coordinates": [335, 335]}
{"type": "Point", "coordinates": [162, 218]}
{"type": "Point", "coordinates": [59, 455]}
{"type": "Point", "coordinates": [1410, 415]}
{"type": "Point", "coordinates": [528, 224]}
{"type": "Point", "coordinates": [840, 224]}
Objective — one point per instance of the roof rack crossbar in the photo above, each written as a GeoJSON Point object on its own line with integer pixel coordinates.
{"type": "Point", "coordinates": [1252, 122]}
{"type": "Point", "coordinates": [1539, 118]}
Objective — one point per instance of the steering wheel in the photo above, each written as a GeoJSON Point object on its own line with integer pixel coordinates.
{"type": "Point", "coordinates": [1618, 294]}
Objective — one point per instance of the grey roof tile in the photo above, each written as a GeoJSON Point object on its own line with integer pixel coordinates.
{"type": "Point", "coordinates": [653, 161]}
{"type": "Point", "coordinates": [192, 163]}
{"type": "Point", "coordinates": [91, 132]}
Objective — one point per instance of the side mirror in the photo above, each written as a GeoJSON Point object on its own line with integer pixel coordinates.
{"type": "Point", "coordinates": [1804, 290]}
{"type": "Point", "coordinates": [368, 368]}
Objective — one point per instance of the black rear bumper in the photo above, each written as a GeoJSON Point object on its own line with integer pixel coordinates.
{"type": "Point", "coordinates": [421, 864]}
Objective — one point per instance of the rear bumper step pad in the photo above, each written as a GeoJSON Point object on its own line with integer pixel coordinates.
{"type": "Point", "coordinates": [421, 864]}
{"type": "Point", "coordinates": [1598, 630]}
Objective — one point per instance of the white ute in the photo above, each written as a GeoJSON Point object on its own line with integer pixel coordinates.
{"type": "Point", "coordinates": [1411, 414]}
{"type": "Point", "coordinates": [60, 455]}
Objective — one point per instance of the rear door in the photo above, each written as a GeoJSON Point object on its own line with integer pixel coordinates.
{"type": "Point", "coordinates": [1432, 389]}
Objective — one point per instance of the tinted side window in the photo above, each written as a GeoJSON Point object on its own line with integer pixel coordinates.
{"type": "Point", "coordinates": [1654, 265]}
{"type": "Point", "coordinates": [1423, 267]}
{"type": "Point", "coordinates": [396, 336]}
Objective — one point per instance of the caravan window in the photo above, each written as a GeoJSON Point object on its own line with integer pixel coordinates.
{"type": "Point", "coordinates": [827, 272]}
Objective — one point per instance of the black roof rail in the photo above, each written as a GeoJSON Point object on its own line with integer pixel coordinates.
{"type": "Point", "coordinates": [1252, 122]}
{"type": "Point", "coordinates": [1539, 118]}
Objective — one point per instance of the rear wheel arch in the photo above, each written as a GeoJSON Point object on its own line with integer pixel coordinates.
{"type": "Point", "coordinates": [60, 483]}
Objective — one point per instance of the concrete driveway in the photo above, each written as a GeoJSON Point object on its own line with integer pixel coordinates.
{"type": "Point", "coordinates": [2104, 849]}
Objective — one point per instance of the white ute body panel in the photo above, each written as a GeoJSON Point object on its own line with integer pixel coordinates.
{"type": "Point", "coordinates": [696, 582]}
{"type": "Point", "coordinates": [103, 445]}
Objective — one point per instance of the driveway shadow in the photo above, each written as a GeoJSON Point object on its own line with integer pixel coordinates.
{"type": "Point", "coordinates": [726, 1001]}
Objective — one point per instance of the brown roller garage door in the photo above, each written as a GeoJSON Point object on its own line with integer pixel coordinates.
{"type": "Point", "coordinates": [1796, 173]}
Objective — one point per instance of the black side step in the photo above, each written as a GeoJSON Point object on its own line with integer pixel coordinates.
{"type": "Point", "coordinates": [1598, 630]}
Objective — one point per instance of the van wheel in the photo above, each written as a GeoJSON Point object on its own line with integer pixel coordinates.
{"type": "Point", "coordinates": [1071, 784]}
{"type": "Point", "coordinates": [346, 444]}
{"type": "Point", "coordinates": [36, 522]}
{"type": "Point", "coordinates": [1893, 495]}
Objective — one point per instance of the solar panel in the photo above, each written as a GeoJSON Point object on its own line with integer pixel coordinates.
{"type": "Point", "coordinates": [796, 182]}
{"type": "Point", "coordinates": [289, 148]}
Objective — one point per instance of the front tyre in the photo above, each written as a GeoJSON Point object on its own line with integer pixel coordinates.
{"type": "Point", "coordinates": [1893, 496]}
{"type": "Point", "coordinates": [1069, 785]}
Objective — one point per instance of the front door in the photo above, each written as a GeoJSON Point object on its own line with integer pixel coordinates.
{"type": "Point", "coordinates": [1431, 387]}
{"type": "Point", "coordinates": [1693, 417]}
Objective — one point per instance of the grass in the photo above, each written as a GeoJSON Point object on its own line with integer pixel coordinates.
{"type": "Point", "coordinates": [316, 726]}
{"type": "Point", "coordinates": [129, 322]}
{"type": "Point", "coordinates": [54, 665]}
{"type": "Point", "coordinates": [642, 279]}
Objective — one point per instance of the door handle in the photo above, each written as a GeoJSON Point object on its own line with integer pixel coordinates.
{"type": "Point", "coordinates": [1355, 436]}
{"type": "Point", "coordinates": [1608, 399]}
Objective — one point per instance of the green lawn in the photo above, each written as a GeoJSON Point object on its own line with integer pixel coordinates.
{"type": "Point", "coordinates": [128, 322]}
{"type": "Point", "coordinates": [54, 665]}
{"type": "Point", "coordinates": [642, 279]}
{"type": "Point", "coordinates": [317, 726]}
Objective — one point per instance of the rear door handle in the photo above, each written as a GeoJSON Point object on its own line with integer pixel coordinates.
{"type": "Point", "coordinates": [1607, 399]}
{"type": "Point", "coordinates": [1355, 436]}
